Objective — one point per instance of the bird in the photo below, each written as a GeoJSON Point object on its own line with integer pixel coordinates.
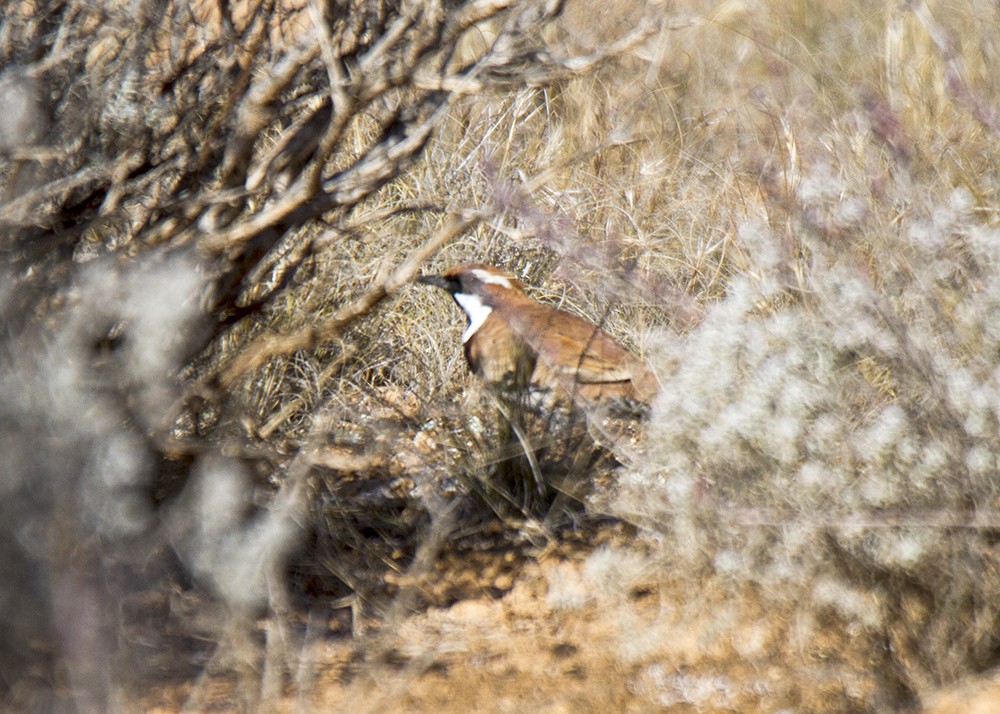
{"type": "Point", "coordinates": [517, 343]}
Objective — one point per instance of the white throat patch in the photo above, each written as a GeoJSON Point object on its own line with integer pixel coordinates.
{"type": "Point", "coordinates": [489, 278]}
{"type": "Point", "coordinates": [477, 311]}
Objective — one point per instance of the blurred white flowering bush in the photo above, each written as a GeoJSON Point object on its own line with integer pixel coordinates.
{"type": "Point", "coordinates": [829, 429]}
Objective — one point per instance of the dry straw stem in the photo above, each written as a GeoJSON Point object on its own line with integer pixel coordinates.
{"type": "Point", "coordinates": [955, 73]}
{"type": "Point", "coordinates": [297, 402]}
{"type": "Point", "coordinates": [275, 344]}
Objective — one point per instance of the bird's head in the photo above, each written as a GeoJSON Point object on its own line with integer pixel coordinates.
{"type": "Point", "coordinates": [477, 289]}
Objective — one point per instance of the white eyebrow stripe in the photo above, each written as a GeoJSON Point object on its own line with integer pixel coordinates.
{"type": "Point", "coordinates": [476, 310]}
{"type": "Point", "coordinates": [491, 278]}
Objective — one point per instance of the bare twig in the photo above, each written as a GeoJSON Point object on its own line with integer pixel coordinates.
{"type": "Point", "coordinates": [274, 344]}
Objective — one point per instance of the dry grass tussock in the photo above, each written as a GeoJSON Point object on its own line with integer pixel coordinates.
{"type": "Point", "coordinates": [241, 459]}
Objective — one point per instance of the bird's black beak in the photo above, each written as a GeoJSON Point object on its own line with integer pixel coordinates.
{"type": "Point", "coordinates": [438, 281]}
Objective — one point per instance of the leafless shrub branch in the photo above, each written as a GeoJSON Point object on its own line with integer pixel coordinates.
{"type": "Point", "coordinates": [166, 172]}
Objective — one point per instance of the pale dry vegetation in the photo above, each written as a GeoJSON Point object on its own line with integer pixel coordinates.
{"type": "Point", "coordinates": [242, 462]}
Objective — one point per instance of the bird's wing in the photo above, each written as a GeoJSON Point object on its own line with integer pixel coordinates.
{"type": "Point", "coordinates": [572, 346]}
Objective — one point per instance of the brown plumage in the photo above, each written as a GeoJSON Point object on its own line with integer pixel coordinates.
{"type": "Point", "coordinates": [512, 339]}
